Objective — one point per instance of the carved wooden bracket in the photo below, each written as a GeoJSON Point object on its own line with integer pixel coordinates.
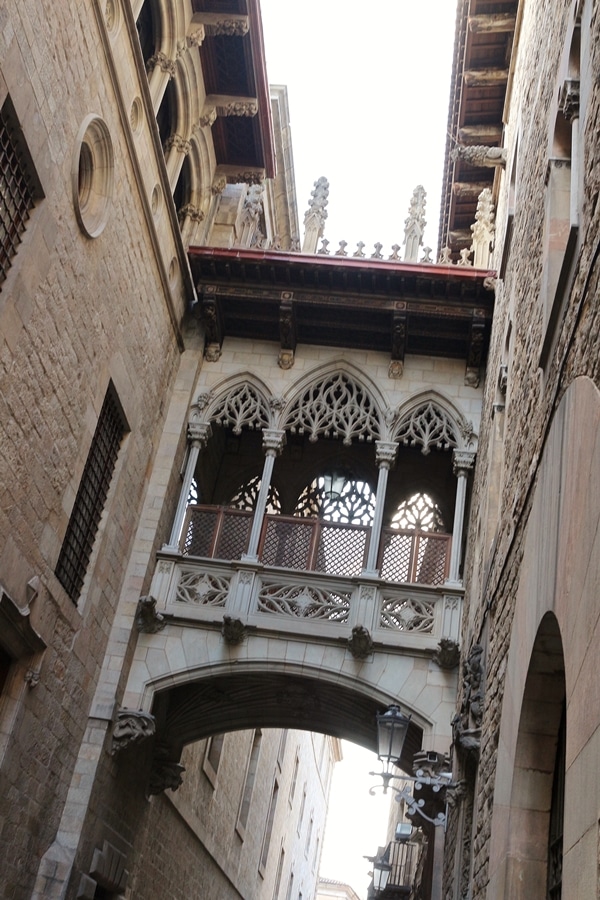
{"type": "Point", "coordinates": [287, 331]}
{"type": "Point", "coordinates": [475, 352]}
{"type": "Point", "coordinates": [212, 318]}
{"type": "Point", "coordinates": [399, 333]}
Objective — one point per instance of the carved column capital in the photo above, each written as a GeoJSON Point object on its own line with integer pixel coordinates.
{"type": "Point", "coordinates": [273, 441]}
{"type": "Point", "coordinates": [199, 433]}
{"type": "Point", "coordinates": [161, 60]}
{"type": "Point", "coordinates": [462, 461]}
{"type": "Point", "coordinates": [179, 143]}
{"type": "Point", "coordinates": [132, 727]}
{"type": "Point", "coordinates": [568, 100]}
{"type": "Point", "coordinates": [385, 453]}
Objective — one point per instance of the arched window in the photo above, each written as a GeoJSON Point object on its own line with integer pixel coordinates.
{"type": "Point", "coordinates": [247, 494]}
{"type": "Point", "coordinates": [420, 512]}
{"type": "Point", "coordinates": [337, 497]}
{"type": "Point", "coordinates": [147, 31]}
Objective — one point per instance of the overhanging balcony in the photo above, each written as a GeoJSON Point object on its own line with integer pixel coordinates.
{"type": "Point", "coordinates": [316, 545]}
{"type": "Point", "coordinates": [309, 579]}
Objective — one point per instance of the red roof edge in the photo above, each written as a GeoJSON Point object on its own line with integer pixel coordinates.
{"type": "Point", "coordinates": [426, 269]}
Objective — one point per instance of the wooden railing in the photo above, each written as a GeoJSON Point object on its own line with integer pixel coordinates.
{"type": "Point", "coordinates": [316, 545]}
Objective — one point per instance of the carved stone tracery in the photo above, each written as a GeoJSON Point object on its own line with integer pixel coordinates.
{"type": "Point", "coordinates": [429, 426]}
{"type": "Point", "coordinates": [335, 407]}
{"type": "Point", "coordinates": [242, 407]}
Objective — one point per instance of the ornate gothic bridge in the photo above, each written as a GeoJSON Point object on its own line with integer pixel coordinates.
{"type": "Point", "coordinates": [312, 574]}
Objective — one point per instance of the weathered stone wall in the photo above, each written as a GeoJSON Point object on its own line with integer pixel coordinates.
{"type": "Point", "coordinates": [513, 441]}
{"type": "Point", "coordinates": [75, 313]}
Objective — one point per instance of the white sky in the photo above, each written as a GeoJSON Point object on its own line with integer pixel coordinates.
{"type": "Point", "coordinates": [368, 90]}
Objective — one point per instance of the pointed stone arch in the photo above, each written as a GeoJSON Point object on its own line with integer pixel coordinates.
{"type": "Point", "coordinates": [431, 421]}
{"type": "Point", "coordinates": [535, 765]}
{"type": "Point", "coordinates": [336, 402]}
{"type": "Point", "coordinates": [241, 402]}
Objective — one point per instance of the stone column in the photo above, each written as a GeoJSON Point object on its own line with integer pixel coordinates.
{"type": "Point", "coordinates": [463, 461]}
{"type": "Point", "coordinates": [273, 442]}
{"type": "Point", "coordinates": [198, 435]}
{"type": "Point", "coordinates": [385, 456]}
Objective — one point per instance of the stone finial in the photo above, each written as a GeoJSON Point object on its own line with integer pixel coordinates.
{"type": "Point", "coordinates": [483, 230]}
{"type": "Point", "coordinates": [359, 250]}
{"type": "Point", "coordinates": [414, 225]}
{"type": "Point", "coordinates": [361, 642]}
{"type": "Point", "coordinates": [464, 257]}
{"type": "Point", "coordinates": [426, 258]}
{"type": "Point", "coordinates": [445, 257]}
{"type": "Point", "coordinates": [378, 254]}
{"type": "Point", "coordinates": [132, 727]}
{"type": "Point", "coordinates": [395, 253]}
{"type": "Point", "coordinates": [480, 155]}
{"type": "Point", "coordinates": [342, 250]}
{"type": "Point", "coordinates": [323, 251]}
{"type": "Point", "coordinates": [315, 216]}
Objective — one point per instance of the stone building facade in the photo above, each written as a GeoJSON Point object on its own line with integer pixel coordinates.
{"type": "Point", "coordinates": [524, 820]}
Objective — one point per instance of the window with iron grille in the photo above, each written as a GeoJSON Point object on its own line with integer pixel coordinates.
{"type": "Point", "coordinates": [19, 187]}
{"type": "Point", "coordinates": [91, 497]}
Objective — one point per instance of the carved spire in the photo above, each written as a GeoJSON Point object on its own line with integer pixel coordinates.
{"type": "Point", "coordinates": [414, 225]}
{"type": "Point", "coordinates": [314, 217]}
{"type": "Point", "coordinates": [483, 230]}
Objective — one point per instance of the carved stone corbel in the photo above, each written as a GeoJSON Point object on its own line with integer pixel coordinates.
{"type": "Point", "coordinates": [147, 619]}
{"type": "Point", "coordinates": [447, 655]}
{"type": "Point", "coordinates": [165, 773]}
{"type": "Point", "coordinates": [132, 727]}
{"type": "Point", "coordinates": [360, 643]}
{"type": "Point", "coordinates": [233, 630]}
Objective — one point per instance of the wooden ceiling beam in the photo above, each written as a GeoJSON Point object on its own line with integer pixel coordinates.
{"type": "Point", "coordinates": [492, 23]}
{"type": "Point", "coordinates": [480, 78]}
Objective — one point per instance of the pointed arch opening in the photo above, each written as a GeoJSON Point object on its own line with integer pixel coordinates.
{"type": "Point", "coordinates": [534, 864]}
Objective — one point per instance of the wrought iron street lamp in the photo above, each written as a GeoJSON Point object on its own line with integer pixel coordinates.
{"type": "Point", "coordinates": [381, 874]}
{"type": "Point", "coordinates": [392, 728]}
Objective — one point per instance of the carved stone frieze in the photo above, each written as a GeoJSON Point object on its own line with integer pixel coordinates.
{"type": "Point", "coordinates": [238, 107]}
{"type": "Point", "coordinates": [230, 26]}
{"type": "Point", "coordinates": [360, 643]}
{"type": "Point", "coordinates": [132, 727]}
{"type": "Point", "coordinates": [147, 619]}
